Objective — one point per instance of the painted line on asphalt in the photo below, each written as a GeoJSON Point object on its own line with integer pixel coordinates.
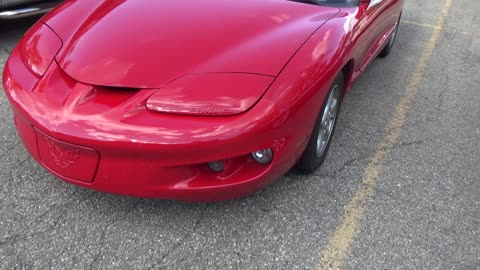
{"type": "Point", "coordinates": [340, 242]}
{"type": "Point", "coordinates": [426, 25]}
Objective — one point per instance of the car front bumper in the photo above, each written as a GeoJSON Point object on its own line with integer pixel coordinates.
{"type": "Point", "coordinates": [105, 139]}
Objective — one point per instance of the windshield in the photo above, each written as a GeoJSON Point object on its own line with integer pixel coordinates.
{"type": "Point", "coordinates": [330, 2]}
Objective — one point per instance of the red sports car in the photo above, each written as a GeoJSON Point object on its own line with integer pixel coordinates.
{"type": "Point", "coordinates": [191, 100]}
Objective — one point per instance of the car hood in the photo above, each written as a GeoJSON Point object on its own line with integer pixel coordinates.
{"type": "Point", "coordinates": [146, 44]}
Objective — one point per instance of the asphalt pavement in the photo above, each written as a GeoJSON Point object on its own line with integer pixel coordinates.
{"type": "Point", "coordinates": [423, 211]}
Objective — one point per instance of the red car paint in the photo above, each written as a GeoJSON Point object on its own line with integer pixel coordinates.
{"type": "Point", "coordinates": [141, 95]}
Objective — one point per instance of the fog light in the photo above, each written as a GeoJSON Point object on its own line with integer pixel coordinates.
{"type": "Point", "coordinates": [216, 166]}
{"type": "Point", "coordinates": [264, 156]}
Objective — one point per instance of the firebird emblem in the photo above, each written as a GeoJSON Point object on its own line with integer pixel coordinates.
{"type": "Point", "coordinates": [63, 159]}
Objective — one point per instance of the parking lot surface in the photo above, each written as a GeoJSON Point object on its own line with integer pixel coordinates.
{"type": "Point", "coordinates": [400, 188]}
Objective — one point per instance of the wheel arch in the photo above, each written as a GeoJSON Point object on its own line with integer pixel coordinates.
{"type": "Point", "coordinates": [347, 72]}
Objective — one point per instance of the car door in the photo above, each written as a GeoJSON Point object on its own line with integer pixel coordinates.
{"type": "Point", "coordinates": [380, 20]}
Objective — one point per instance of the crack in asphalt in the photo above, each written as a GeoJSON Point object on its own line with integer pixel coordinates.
{"type": "Point", "coordinates": [342, 168]}
{"type": "Point", "coordinates": [186, 236]}
{"type": "Point", "coordinates": [410, 143]}
{"type": "Point", "coordinates": [22, 234]}
{"type": "Point", "coordinates": [443, 92]}
{"type": "Point", "coordinates": [97, 256]}
{"type": "Point", "coordinates": [354, 129]}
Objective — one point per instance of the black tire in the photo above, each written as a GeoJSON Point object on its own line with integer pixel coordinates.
{"type": "Point", "coordinates": [388, 48]}
{"type": "Point", "coordinates": [311, 158]}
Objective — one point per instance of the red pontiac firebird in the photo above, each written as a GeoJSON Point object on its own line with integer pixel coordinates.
{"type": "Point", "coordinates": [199, 100]}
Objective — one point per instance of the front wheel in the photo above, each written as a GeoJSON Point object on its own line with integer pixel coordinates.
{"type": "Point", "coordinates": [322, 133]}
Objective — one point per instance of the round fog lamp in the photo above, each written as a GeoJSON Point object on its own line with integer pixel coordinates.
{"type": "Point", "coordinates": [264, 156]}
{"type": "Point", "coordinates": [216, 166]}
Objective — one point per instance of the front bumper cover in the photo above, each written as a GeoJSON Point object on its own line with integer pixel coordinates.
{"type": "Point", "coordinates": [107, 140]}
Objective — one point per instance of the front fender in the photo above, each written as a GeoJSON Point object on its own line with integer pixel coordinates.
{"type": "Point", "coordinates": [300, 89]}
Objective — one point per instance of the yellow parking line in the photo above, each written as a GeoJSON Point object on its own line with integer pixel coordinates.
{"type": "Point", "coordinates": [431, 26]}
{"type": "Point", "coordinates": [423, 25]}
{"type": "Point", "coordinates": [334, 254]}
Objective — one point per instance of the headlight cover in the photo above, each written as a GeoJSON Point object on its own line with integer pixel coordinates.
{"type": "Point", "coordinates": [210, 94]}
{"type": "Point", "coordinates": [39, 47]}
